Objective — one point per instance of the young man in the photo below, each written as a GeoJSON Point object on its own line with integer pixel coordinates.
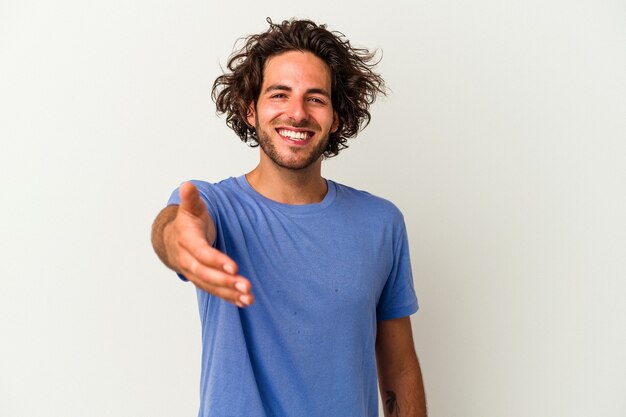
{"type": "Point", "coordinates": [304, 285]}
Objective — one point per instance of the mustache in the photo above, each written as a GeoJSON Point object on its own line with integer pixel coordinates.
{"type": "Point", "coordinates": [304, 124]}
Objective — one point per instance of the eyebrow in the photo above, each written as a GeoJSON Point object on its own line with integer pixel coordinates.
{"type": "Point", "coordinates": [281, 87]}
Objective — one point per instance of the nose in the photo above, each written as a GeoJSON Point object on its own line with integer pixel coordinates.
{"type": "Point", "coordinates": [297, 110]}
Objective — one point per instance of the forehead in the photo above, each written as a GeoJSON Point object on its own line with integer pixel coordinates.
{"type": "Point", "coordinates": [297, 69]}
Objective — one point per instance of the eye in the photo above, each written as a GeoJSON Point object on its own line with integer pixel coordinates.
{"type": "Point", "coordinates": [278, 95]}
{"type": "Point", "coordinates": [317, 100]}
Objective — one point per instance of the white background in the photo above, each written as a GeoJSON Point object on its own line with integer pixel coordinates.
{"type": "Point", "coordinates": [503, 141]}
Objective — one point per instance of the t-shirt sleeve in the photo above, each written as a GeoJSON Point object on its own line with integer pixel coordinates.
{"type": "Point", "coordinates": [398, 298]}
{"type": "Point", "coordinates": [206, 194]}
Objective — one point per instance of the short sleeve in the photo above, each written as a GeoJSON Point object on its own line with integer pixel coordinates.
{"type": "Point", "coordinates": [398, 297]}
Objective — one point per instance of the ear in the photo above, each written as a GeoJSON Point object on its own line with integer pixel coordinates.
{"type": "Point", "coordinates": [251, 116]}
{"type": "Point", "coordinates": [335, 125]}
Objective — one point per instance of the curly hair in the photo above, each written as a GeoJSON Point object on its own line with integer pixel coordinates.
{"type": "Point", "coordinates": [354, 86]}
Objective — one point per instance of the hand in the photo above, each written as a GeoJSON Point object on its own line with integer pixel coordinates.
{"type": "Point", "coordinates": [187, 239]}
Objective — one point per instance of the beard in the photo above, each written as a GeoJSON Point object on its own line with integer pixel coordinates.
{"type": "Point", "coordinates": [298, 158]}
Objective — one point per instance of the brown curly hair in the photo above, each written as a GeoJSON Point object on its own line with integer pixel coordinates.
{"type": "Point", "coordinates": [354, 85]}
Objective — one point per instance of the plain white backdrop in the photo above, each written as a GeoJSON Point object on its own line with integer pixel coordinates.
{"type": "Point", "coordinates": [503, 141]}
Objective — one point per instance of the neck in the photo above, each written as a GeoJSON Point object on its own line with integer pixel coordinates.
{"type": "Point", "coordinates": [288, 186]}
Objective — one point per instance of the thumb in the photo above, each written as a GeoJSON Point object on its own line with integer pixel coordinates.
{"type": "Point", "coordinates": [190, 200]}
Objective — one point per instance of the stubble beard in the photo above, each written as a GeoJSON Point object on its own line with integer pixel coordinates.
{"type": "Point", "coordinates": [265, 141]}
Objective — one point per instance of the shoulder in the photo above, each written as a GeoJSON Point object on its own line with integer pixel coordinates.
{"type": "Point", "coordinates": [363, 201]}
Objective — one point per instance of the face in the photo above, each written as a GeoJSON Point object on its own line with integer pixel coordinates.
{"type": "Point", "coordinates": [294, 114]}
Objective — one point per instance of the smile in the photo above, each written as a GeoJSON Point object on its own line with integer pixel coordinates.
{"type": "Point", "coordinates": [294, 134]}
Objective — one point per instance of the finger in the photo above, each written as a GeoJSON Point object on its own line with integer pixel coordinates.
{"type": "Point", "coordinates": [234, 297]}
{"type": "Point", "coordinates": [190, 200]}
{"type": "Point", "coordinates": [241, 300]}
{"type": "Point", "coordinates": [195, 271]}
{"type": "Point", "coordinates": [200, 250]}
{"type": "Point", "coordinates": [243, 285]}
{"type": "Point", "coordinates": [213, 276]}
{"type": "Point", "coordinates": [235, 289]}
{"type": "Point", "coordinates": [219, 279]}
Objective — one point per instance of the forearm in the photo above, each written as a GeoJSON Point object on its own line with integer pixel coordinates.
{"type": "Point", "coordinates": [402, 391]}
{"type": "Point", "coordinates": [399, 373]}
{"type": "Point", "coordinates": [164, 218]}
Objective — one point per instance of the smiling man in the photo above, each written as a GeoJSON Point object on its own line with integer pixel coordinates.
{"type": "Point", "coordinates": [304, 285]}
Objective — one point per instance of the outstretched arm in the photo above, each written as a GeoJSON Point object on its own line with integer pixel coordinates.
{"type": "Point", "coordinates": [182, 237]}
{"type": "Point", "coordinates": [399, 373]}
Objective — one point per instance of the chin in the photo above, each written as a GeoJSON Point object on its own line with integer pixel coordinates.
{"type": "Point", "coordinates": [294, 165]}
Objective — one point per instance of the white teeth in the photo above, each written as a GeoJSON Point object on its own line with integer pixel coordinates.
{"type": "Point", "coordinates": [293, 135]}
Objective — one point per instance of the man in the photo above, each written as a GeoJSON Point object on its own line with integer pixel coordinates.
{"type": "Point", "coordinates": [304, 285]}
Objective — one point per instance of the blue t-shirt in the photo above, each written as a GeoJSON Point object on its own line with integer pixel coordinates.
{"type": "Point", "coordinates": [322, 276]}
